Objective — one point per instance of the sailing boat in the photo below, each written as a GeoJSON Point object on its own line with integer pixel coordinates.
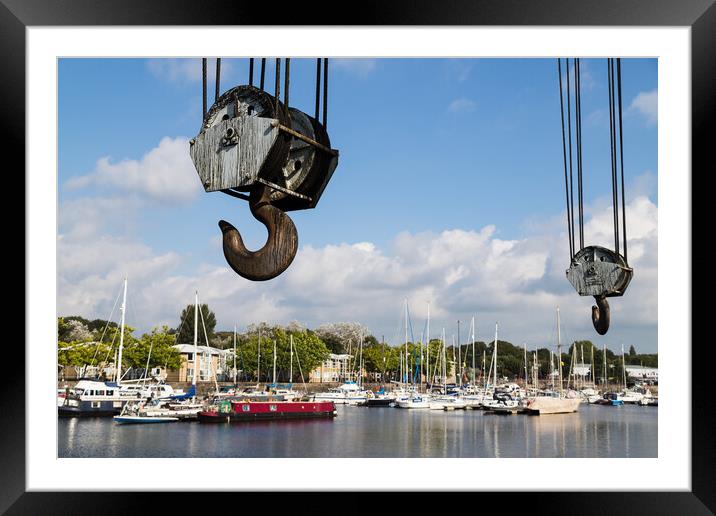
{"type": "Point", "coordinates": [557, 403]}
{"type": "Point", "coordinates": [414, 400]}
{"type": "Point", "coordinates": [94, 397]}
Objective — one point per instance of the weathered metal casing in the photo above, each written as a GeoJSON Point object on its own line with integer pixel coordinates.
{"type": "Point", "coordinates": [239, 141]}
{"type": "Point", "coordinates": [231, 153]}
{"type": "Point", "coordinates": [246, 140]}
{"type": "Point", "coordinates": [598, 271]}
{"type": "Point", "coordinates": [308, 168]}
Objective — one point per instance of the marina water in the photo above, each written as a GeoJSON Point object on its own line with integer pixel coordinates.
{"type": "Point", "coordinates": [594, 431]}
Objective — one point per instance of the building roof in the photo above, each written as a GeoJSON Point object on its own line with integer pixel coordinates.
{"type": "Point", "coordinates": [189, 348]}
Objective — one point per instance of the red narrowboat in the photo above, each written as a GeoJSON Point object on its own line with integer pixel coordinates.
{"type": "Point", "coordinates": [231, 411]}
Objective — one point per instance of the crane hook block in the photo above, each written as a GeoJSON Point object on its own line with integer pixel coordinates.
{"type": "Point", "coordinates": [252, 146]}
{"type": "Point", "coordinates": [599, 272]}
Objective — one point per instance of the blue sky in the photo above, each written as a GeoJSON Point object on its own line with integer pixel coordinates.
{"type": "Point", "coordinates": [427, 146]}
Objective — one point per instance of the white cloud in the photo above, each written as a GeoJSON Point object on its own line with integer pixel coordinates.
{"type": "Point", "coordinates": [461, 272]}
{"type": "Point", "coordinates": [459, 69]}
{"type": "Point", "coordinates": [461, 105]}
{"type": "Point", "coordinates": [164, 173]}
{"type": "Point", "coordinates": [186, 71]}
{"type": "Point", "coordinates": [359, 67]}
{"type": "Point", "coordinates": [646, 104]}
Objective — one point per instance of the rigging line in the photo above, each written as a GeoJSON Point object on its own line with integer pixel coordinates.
{"type": "Point", "coordinates": [325, 93]}
{"type": "Point", "coordinates": [106, 326]}
{"type": "Point", "coordinates": [111, 347]}
{"type": "Point", "coordinates": [578, 114]}
{"type": "Point", "coordinates": [287, 69]}
{"type": "Point", "coordinates": [612, 142]}
{"type": "Point", "coordinates": [251, 71]}
{"type": "Point", "coordinates": [569, 132]}
{"type": "Point", "coordinates": [218, 79]}
{"type": "Point", "coordinates": [263, 72]}
{"type": "Point", "coordinates": [278, 82]}
{"type": "Point", "coordinates": [621, 153]}
{"type": "Point", "coordinates": [564, 156]}
{"type": "Point", "coordinates": [203, 89]}
{"type": "Point", "coordinates": [318, 86]}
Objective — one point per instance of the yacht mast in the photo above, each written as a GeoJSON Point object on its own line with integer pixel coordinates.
{"type": "Point", "coordinates": [444, 371]}
{"type": "Point", "coordinates": [407, 368]}
{"type": "Point", "coordinates": [121, 334]}
{"type": "Point", "coordinates": [427, 366]}
{"type": "Point", "coordinates": [473, 351]}
{"type": "Point", "coordinates": [459, 353]}
{"type": "Point", "coordinates": [196, 337]}
{"type": "Point", "coordinates": [623, 367]}
{"type": "Point", "coordinates": [274, 363]}
{"type": "Point", "coordinates": [495, 354]}
{"type": "Point", "coordinates": [290, 370]}
{"type": "Point", "coordinates": [604, 372]}
{"type": "Point", "coordinates": [559, 353]}
{"type": "Point", "coordinates": [258, 362]}
{"type": "Point", "coordinates": [235, 375]}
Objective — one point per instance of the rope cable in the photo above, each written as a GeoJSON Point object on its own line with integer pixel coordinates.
{"type": "Point", "coordinates": [569, 133]}
{"type": "Point", "coordinates": [278, 81]}
{"type": "Point", "coordinates": [325, 93]}
{"type": "Point", "coordinates": [203, 89]}
{"type": "Point", "coordinates": [612, 136]}
{"type": "Point", "coordinates": [318, 87]}
{"type": "Point", "coordinates": [621, 154]}
{"type": "Point", "coordinates": [217, 79]}
{"type": "Point", "coordinates": [564, 156]}
{"type": "Point", "coordinates": [263, 72]}
{"type": "Point", "coordinates": [287, 69]}
{"type": "Point", "coordinates": [578, 123]}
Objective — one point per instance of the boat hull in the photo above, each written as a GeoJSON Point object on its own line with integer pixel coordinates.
{"type": "Point", "coordinates": [382, 402]}
{"type": "Point", "coordinates": [142, 420]}
{"type": "Point", "coordinates": [264, 411]}
{"type": "Point", "coordinates": [91, 409]}
{"type": "Point", "coordinates": [548, 405]}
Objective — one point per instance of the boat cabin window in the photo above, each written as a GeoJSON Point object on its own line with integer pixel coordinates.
{"type": "Point", "coordinates": [100, 393]}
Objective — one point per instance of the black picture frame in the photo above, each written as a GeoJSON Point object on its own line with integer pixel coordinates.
{"type": "Point", "coordinates": [699, 15]}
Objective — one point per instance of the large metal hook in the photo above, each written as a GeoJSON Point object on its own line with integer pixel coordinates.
{"type": "Point", "coordinates": [600, 315]}
{"type": "Point", "coordinates": [280, 248]}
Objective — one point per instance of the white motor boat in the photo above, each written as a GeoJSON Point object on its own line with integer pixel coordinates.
{"type": "Point", "coordinates": [447, 403]}
{"type": "Point", "coordinates": [347, 394]}
{"type": "Point", "coordinates": [414, 402]}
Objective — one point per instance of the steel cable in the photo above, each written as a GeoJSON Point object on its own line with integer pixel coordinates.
{"type": "Point", "coordinates": [564, 156]}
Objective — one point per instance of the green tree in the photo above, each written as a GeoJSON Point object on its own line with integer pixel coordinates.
{"type": "Point", "coordinates": [309, 351]}
{"type": "Point", "coordinates": [159, 342]}
{"type": "Point", "coordinates": [342, 336]}
{"type": "Point", "coordinates": [632, 351]}
{"type": "Point", "coordinates": [80, 355]}
{"type": "Point", "coordinates": [186, 324]}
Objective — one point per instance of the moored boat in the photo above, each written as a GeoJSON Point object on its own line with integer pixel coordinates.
{"type": "Point", "coordinates": [235, 411]}
{"type": "Point", "coordinates": [91, 398]}
{"type": "Point", "coordinates": [551, 405]}
{"type": "Point", "coordinates": [144, 419]}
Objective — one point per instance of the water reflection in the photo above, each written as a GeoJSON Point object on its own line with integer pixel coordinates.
{"type": "Point", "coordinates": [628, 431]}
